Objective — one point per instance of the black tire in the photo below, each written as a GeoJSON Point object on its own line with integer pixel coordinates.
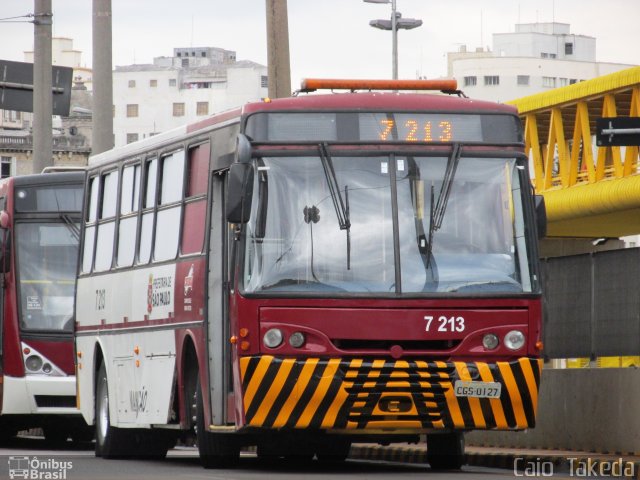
{"type": "Point", "coordinates": [111, 442]}
{"type": "Point", "coordinates": [217, 450]}
{"type": "Point", "coordinates": [445, 451]}
{"type": "Point", "coordinates": [335, 452]}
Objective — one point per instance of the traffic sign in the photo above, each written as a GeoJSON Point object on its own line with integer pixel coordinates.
{"type": "Point", "coordinates": [618, 131]}
{"type": "Point", "coordinates": [16, 87]}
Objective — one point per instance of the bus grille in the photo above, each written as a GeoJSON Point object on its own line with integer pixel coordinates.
{"type": "Point", "coordinates": [56, 401]}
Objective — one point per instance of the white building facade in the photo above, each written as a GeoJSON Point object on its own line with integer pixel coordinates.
{"type": "Point", "coordinates": [194, 83]}
{"type": "Point", "coordinates": [534, 58]}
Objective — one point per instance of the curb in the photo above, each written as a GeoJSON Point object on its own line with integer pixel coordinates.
{"type": "Point", "coordinates": [503, 460]}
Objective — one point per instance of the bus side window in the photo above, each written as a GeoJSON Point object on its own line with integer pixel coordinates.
{"type": "Point", "coordinates": [151, 174]}
{"type": "Point", "coordinates": [195, 208]}
{"type": "Point", "coordinates": [90, 230]}
{"type": "Point", "coordinates": [129, 204]}
{"type": "Point", "coordinates": [169, 206]}
{"type": "Point", "coordinates": [107, 221]}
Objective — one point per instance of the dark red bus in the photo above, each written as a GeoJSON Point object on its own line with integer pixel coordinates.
{"type": "Point", "coordinates": [305, 273]}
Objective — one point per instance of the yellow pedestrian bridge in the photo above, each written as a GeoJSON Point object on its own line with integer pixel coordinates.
{"type": "Point", "coordinates": [589, 190]}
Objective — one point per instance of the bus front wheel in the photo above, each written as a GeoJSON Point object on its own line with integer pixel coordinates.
{"type": "Point", "coordinates": [445, 451]}
{"type": "Point", "coordinates": [217, 450]}
{"type": "Point", "coordinates": [110, 441]}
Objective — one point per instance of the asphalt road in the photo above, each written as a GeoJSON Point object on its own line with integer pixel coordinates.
{"type": "Point", "coordinates": [31, 458]}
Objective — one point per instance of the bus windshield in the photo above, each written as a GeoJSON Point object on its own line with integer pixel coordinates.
{"type": "Point", "coordinates": [365, 224]}
{"type": "Point", "coordinates": [47, 256]}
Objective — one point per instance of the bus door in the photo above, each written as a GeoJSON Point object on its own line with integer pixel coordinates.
{"type": "Point", "coordinates": [218, 325]}
{"type": "Point", "coordinates": [5, 263]}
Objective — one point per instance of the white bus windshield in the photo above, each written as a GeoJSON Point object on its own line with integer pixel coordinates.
{"type": "Point", "coordinates": [299, 239]}
{"type": "Point", "coordinates": [47, 256]}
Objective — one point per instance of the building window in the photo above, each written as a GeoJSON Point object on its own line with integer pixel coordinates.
{"type": "Point", "coordinates": [568, 48]}
{"type": "Point", "coordinates": [264, 81]}
{"type": "Point", "coordinates": [132, 110]}
{"type": "Point", "coordinates": [132, 137]}
{"type": "Point", "coordinates": [178, 109]}
{"type": "Point", "coordinates": [544, 55]}
{"type": "Point", "coordinates": [470, 81]}
{"type": "Point", "coordinates": [549, 82]}
{"type": "Point", "coordinates": [552, 55]}
{"type": "Point", "coordinates": [572, 81]}
{"type": "Point", "coordinates": [5, 166]}
{"type": "Point", "coordinates": [491, 80]}
{"type": "Point", "coordinates": [523, 79]}
{"type": "Point", "coordinates": [564, 82]}
{"type": "Point", "coordinates": [203, 54]}
{"type": "Point", "coordinates": [202, 108]}
{"type": "Point", "coordinates": [153, 83]}
{"type": "Point", "coordinates": [185, 62]}
{"type": "Point", "coordinates": [132, 83]}
{"type": "Point", "coordinates": [172, 82]}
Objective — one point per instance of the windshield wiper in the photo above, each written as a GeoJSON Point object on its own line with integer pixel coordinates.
{"type": "Point", "coordinates": [436, 214]}
{"type": "Point", "coordinates": [71, 225]}
{"type": "Point", "coordinates": [341, 206]}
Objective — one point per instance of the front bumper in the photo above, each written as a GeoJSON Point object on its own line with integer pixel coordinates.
{"type": "Point", "coordinates": [39, 394]}
{"type": "Point", "coordinates": [367, 395]}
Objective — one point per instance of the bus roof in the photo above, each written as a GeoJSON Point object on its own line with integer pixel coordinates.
{"type": "Point", "coordinates": [49, 178]}
{"type": "Point", "coordinates": [360, 101]}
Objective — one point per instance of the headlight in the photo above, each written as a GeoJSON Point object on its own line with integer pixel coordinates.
{"type": "Point", "coordinates": [33, 363]}
{"type": "Point", "coordinates": [272, 338]}
{"type": "Point", "coordinates": [296, 340]}
{"type": "Point", "coordinates": [514, 340]}
{"type": "Point", "coordinates": [490, 341]}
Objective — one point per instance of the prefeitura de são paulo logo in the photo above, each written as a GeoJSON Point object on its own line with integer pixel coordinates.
{"type": "Point", "coordinates": [34, 468]}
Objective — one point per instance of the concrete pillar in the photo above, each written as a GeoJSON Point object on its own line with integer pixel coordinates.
{"type": "Point", "coordinates": [278, 63]}
{"type": "Point", "coordinates": [102, 133]}
{"type": "Point", "coordinates": [42, 83]}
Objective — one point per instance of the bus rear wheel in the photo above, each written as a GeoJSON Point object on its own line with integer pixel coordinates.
{"type": "Point", "coordinates": [217, 450]}
{"type": "Point", "coordinates": [110, 441]}
{"type": "Point", "coordinates": [445, 451]}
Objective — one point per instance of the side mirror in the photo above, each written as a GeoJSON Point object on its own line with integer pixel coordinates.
{"type": "Point", "coordinates": [239, 192]}
{"type": "Point", "coordinates": [5, 250]}
{"type": "Point", "coordinates": [243, 149]}
{"type": "Point", "coordinates": [4, 220]}
{"type": "Point", "coordinates": [541, 216]}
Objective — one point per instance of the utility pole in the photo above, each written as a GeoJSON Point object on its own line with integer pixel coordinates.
{"type": "Point", "coordinates": [278, 63]}
{"type": "Point", "coordinates": [42, 86]}
{"type": "Point", "coordinates": [102, 116]}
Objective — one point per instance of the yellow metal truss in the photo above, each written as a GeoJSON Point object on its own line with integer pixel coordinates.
{"type": "Point", "coordinates": [589, 191]}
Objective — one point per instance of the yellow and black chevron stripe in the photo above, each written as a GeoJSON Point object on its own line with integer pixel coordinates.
{"type": "Point", "coordinates": [362, 394]}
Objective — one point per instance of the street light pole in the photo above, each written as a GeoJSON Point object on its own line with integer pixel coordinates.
{"type": "Point", "coordinates": [394, 41]}
{"type": "Point", "coordinates": [394, 24]}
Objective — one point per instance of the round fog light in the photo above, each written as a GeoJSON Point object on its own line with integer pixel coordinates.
{"type": "Point", "coordinates": [296, 340]}
{"type": "Point", "coordinates": [272, 338]}
{"type": "Point", "coordinates": [33, 363]}
{"type": "Point", "coordinates": [514, 340]}
{"type": "Point", "coordinates": [46, 368]}
{"type": "Point", "coordinates": [490, 341]}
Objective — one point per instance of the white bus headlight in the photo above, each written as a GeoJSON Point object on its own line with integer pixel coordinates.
{"type": "Point", "coordinates": [33, 363]}
{"type": "Point", "coordinates": [514, 340]}
{"type": "Point", "coordinates": [296, 340]}
{"type": "Point", "coordinates": [490, 341]}
{"type": "Point", "coordinates": [273, 338]}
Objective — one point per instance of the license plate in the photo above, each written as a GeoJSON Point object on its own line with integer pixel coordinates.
{"type": "Point", "coordinates": [477, 389]}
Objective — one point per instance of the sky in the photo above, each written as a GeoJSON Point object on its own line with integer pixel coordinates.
{"type": "Point", "coordinates": [328, 38]}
